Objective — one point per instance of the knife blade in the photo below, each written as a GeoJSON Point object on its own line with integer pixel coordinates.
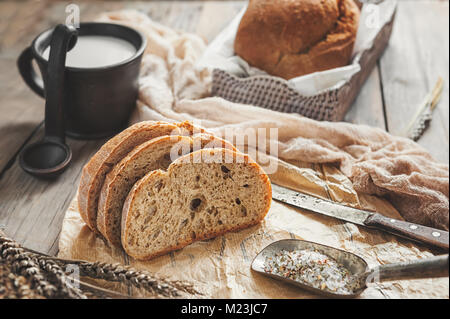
{"type": "Point", "coordinates": [423, 234]}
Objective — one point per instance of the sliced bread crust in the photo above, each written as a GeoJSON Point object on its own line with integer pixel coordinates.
{"type": "Point", "coordinates": [94, 172]}
{"type": "Point", "coordinates": [194, 200]}
{"type": "Point", "coordinates": [157, 153]}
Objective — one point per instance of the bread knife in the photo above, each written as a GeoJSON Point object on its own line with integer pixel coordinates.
{"type": "Point", "coordinates": [418, 233]}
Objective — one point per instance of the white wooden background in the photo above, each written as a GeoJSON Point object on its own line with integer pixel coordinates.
{"type": "Point", "coordinates": [31, 210]}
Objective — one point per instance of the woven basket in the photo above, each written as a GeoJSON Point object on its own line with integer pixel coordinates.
{"type": "Point", "coordinates": [276, 94]}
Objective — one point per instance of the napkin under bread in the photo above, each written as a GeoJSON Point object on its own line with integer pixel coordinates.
{"type": "Point", "coordinates": [173, 88]}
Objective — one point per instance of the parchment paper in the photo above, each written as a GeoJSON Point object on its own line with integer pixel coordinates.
{"type": "Point", "coordinates": [220, 268]}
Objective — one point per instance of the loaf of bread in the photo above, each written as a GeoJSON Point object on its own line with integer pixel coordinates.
{"type": "Point", "coordinates": [202, 195]}
{"type": "Point", "coordinates": [290, 38]}
{"type": "Point", "coordinates": [157, 153]}
{"type": "Point", "coordinates": [112, 152]}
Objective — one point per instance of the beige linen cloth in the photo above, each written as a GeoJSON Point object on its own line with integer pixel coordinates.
{"type": "Point", "coordinates": [339, 161]}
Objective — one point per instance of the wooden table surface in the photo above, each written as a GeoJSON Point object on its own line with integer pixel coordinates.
{"type": "Point", "coordinates": [32, 210]}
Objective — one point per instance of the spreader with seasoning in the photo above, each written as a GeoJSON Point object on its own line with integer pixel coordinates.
{"type": "Point", "coordinates": [334, 272]}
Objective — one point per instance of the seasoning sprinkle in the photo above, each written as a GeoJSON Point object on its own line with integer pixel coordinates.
{"type": "Point", "coordinates": [312, 268]}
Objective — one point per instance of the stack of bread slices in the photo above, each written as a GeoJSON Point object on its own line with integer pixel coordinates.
{"type": "Point", "coordinates": [157, 187]}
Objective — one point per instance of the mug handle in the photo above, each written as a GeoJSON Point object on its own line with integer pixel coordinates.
{"type": "Point", "coordinates": [26, 70]}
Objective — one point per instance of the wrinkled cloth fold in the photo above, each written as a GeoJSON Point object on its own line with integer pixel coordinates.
{"type": "Point", "coordinates": [173, 88]}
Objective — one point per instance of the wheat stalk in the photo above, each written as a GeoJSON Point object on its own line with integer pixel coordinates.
{"type": "Point", "coordinates": [48, 278]}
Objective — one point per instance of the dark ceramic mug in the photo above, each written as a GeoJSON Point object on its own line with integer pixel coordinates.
{"type": "Point", "coordinates": [99, 100]}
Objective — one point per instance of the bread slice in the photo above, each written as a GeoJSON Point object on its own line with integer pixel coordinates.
{"type": "Point", "coordinates": [202, 195]}
{"type": "Point", "coordinates": [112, 152]}
{"type": "Point", "coordinates": [155, 154]}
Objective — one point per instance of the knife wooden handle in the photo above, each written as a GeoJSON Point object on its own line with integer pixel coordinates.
{"type": "Point", "coordinates": [423, 234]}
{"type": "Point", "coordinates": [433, 267]}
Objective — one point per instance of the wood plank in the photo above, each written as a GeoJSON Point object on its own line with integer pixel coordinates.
{"type": "Point", "coordinates": [24, 20]}
{"type": "Point", "coordinates": [215, 17]}
{"type": "Point", "coordinates": [417, 55]}
{"type": "Point", "coordinates": [21, 109]}
{"type": "Point", "coordinates": [32, 209]}
{"type": "Point", "coordinates": [7, 11]}
{"type": "Point", "coordinates": [368, 106]}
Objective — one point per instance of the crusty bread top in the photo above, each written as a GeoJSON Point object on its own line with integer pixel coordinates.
{"type": "Point", "coordinates": [221, 180]}
{"type": "Point", "coordinates": [290, 38]}
{"type": "Point", "coordinates": [112, 152]}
